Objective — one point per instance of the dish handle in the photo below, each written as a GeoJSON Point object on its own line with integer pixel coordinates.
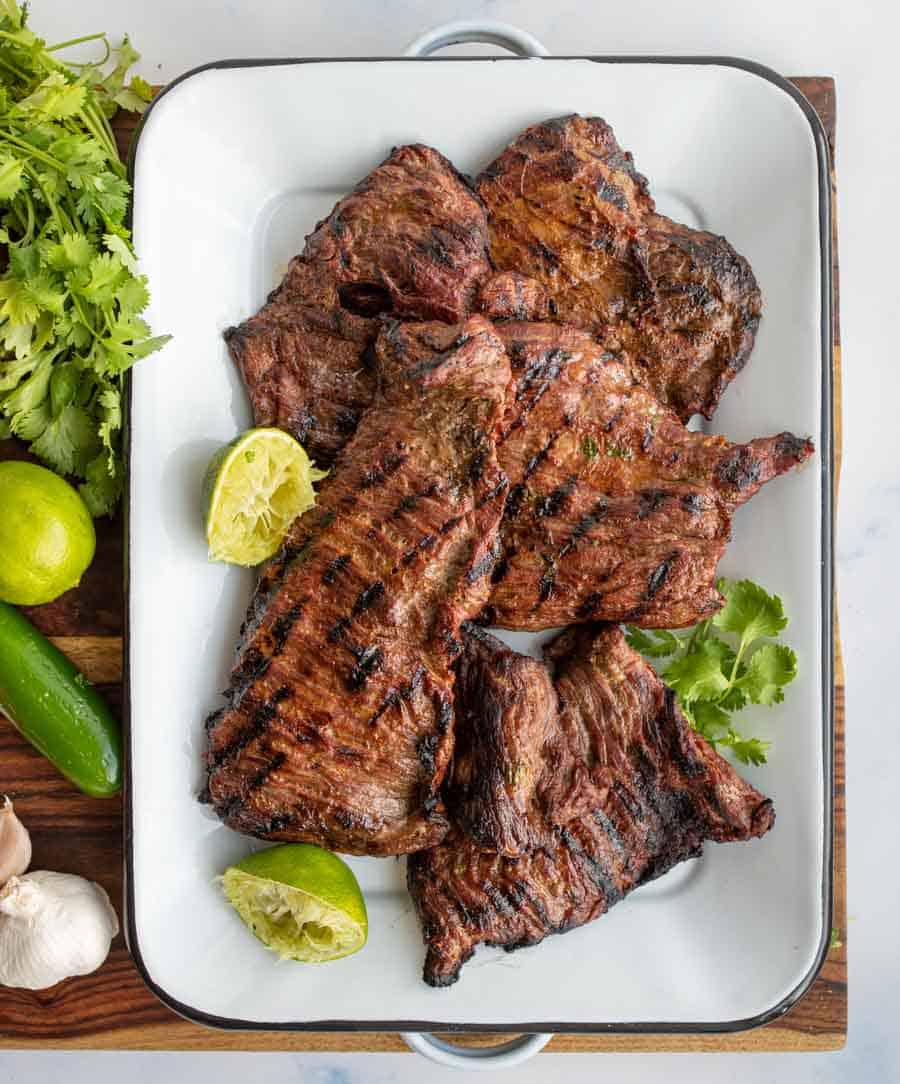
{"type": "Point", "coordinates": [483, 31]}
{"type": "Point", "coordinates": [475, 1058]}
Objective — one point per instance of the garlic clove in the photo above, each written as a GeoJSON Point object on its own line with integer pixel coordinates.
{"type": "Point", "coordinates": [52, 926]}
{"type": "Point", "coordinates": [15, 843]}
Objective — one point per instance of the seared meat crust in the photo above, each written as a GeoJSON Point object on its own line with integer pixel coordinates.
{"type": "Point", "coordinates": [338, 723]}
{"type": "Point", "coordinates": [567, 207]}
{"type": "Point", "coordinates": [626, 791]}
{"type": "Point", "coordinates": [615, 511]}
{"type": "Point", "coordinates": [410, 240]}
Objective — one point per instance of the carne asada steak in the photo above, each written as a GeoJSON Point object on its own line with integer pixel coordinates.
{"type": "Point", "coordinates": [567, 207]}
{"type": "Point", "coordinates": [505, 712]}
{"type": "Point", "coordinates": [338, 723]}
{"type": "Point", "coordinates": [410, 240]}
{"type": "Point", "coordinates": [615, 511]}
{"type": "Point", "coordinates": [625, 792]}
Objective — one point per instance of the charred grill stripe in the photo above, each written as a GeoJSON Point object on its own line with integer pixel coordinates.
{"type": "Point", "coordinates": [482, 567]}
{"type": "Point", "coordinates": [532, 465]}
{"type": "Point", "coordinates": [392, 698]}
{"type": "Point", "coordinates": [376, 475]}
{"type": "Point", "coordinates": [366, 599]}
{"type": "Point", "coordinates": [237, 803]}
{"type": "Point", "coordinates": [497, 898]}
{"type": "Point", "coordinates": [449, 524]}
{"type": "Point", "coordinates": [258, 723]}
{"type": "Point", "coordinates": [650, 501]}
{"type": "Point", "coordinates": [659, 576]}
{"type": "Point", "coordinates": [338, 629]}
{"type": "Point", "coordinates": [426, 751]}
{"type": "Point", "coordinates": [281, 627]}
{"type": "Point", "coordinates": [493, 494]}
{"type": "Point", "coordinates": [584, 526]}
{"type": "Point", "coordinates": [445, 715]}
{"type": "Point", "coordinates": [596, 870]}
{"type": "Point", "coordinates": [514, 501]}
{"type": "Point", "coordinates": [612, 834]}
{"type": "Point", "coordinates": [543, 372]}
{"type": "Point", "coordinates": [590, 604]}
{"type": "Point", "coordinates": [555, 502]}
{"type": "Point", "coordinates": [337, 565]}
{"type": "Point", "coordinates": [368, 662]}
{"type": "Point", "coordinates": [277, 823]}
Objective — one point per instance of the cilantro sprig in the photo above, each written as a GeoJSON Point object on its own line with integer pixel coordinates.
{"type": "Point", "coordinates": [71, 295]}
{"type": "Point", "coordinates": [725, 663]}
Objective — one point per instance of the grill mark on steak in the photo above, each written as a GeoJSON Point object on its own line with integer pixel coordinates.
{"type": "Point", "coordinates": [622, 791]}
{"type": "Point", "coordinates": [410, 241]}
{"type": "Point", "coordinates": [334, 785]}
{"type": "Point", "coordinates": [567, 207]}
{"type": "Point", "coordinates": [600, 525]}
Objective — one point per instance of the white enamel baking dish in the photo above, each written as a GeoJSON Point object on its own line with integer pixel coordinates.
{"type": "Point", "coordinates": [234, 164]}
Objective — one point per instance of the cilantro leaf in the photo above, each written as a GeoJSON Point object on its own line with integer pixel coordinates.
{"type": "Point", "coordinates": [69, 442]}
{"type": "Point", "coordinates": [102, 489]}
{"type": "Point", "coordinates": [726, 663]}
{"type": "Point", "coordinates": [749, 611]}
{"type": "Point", "coordinates": [655, 644]}
{"type": "Point", "coordinates": [747, 750]}
{"type": "Point", "coordinates": [71, 295]}
{"type": "Point", "coordinates": [11, 170]}
{"type": "Point", "coordinates": [698, 675]}
{"type": "Point", "coordinates": [771, 667]}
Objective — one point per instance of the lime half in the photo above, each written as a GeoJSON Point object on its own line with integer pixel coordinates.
{"type": "Point", "coordinates": [255, 488]}
{"type": "Point", "coordinates": [46, 535]}
{"type": "Point", "coordinates": [302, 902]}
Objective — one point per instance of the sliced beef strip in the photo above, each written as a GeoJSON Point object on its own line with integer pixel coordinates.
{"type": "Point", "coordinates": [338, 724]}
{"type": "Point", "coordinates": [410, 240]}
{"type": "Point", "coordinates": [615, 511]}
{"type": "Point", "coordinates": [567, 207]}
{"type": "Point", "coordinates": [627, 791]}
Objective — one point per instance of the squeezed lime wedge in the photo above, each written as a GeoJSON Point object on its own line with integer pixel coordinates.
{"type": "Point", "coordinates": [255, 488]}
{"type": "Point", "coordinates": [301, 901]}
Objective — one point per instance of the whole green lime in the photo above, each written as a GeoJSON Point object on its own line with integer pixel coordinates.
{"type": "Point", "coordinates": [47, 535]}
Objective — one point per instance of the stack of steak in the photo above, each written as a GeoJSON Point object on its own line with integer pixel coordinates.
{"type": "Point", "coordinates": [499, 377]}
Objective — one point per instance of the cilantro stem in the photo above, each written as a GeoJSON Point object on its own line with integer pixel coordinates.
{"type": "Point", "coordinates": [13, 70]}
{"type": "Point", "coordinates": [47, 159]}
{"type": "Point", "coordinates": [80, 41]}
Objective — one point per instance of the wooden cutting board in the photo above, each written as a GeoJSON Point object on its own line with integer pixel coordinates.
{"type": "Point", "coordinates": [112, 1009]}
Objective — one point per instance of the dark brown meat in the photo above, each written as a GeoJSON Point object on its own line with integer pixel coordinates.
{"type": "Point", "coordinates": [615, 512]}
{"type": "Point", "coordinates": [506, 710]}
{"type": "Point", "coordinates": [337, 729]}
{"type": "Point", "coordinates": [567, 207]}
{"type": "Point", "coordinates": [508, 295]}
{"type": "Point", "coordinates": [627, 791]}
{"type": "Point", "coordinates": [410, 240]}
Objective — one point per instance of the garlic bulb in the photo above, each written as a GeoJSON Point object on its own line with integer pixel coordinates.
{"type": "Point", "coordinates": [52, 926]}
{"type": "Point", "coordinates": [15, 843]}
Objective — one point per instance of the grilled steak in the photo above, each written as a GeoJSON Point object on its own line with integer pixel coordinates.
{"type": "Point", "coordinates": [615, 511]}
{"type": "Point", "coordinates": [567, 207]}
{"type": "Point", "coordinates": [337, 728]}
{"type": "Point", "coordinates": [506, 708]}
{"type": "Point", "coordinates": [626, 791]}
{"type": "Point", "coordinates": [410, 240]}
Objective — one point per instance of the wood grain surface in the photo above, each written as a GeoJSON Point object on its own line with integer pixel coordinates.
{"type": "Point", "coordinates": [112, 1009]}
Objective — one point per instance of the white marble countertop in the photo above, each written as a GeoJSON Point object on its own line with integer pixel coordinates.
{"type": "Point", "coordinates": [856, 43]}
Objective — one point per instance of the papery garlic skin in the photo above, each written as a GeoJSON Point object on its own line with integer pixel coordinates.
{"type": "Point", "coordinates": [15, 843]}
{"type": "Point", "coordinates": [52, 926]}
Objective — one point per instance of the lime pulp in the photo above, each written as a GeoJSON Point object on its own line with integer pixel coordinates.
{"type": "Point", "coordinates": [255, 488]}
{"type": "Point", "coordinates": [301, 901]}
